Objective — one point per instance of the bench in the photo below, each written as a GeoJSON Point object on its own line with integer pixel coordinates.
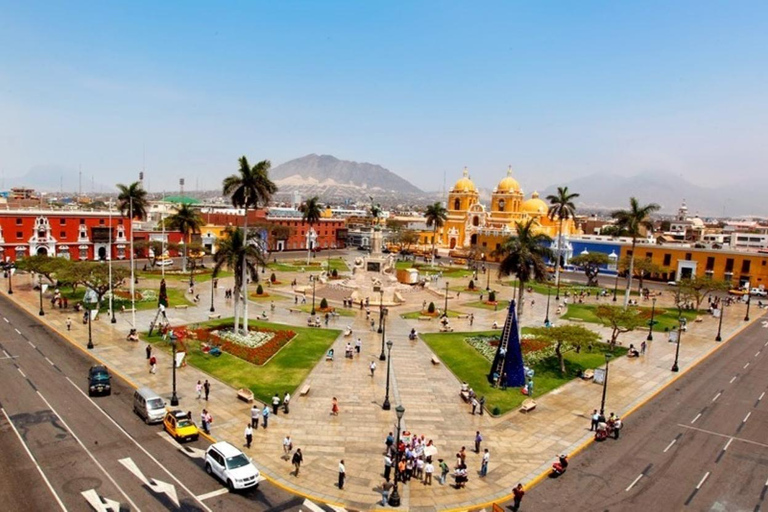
{"type": "Point", "coordinates": [588, 374]}
{"type": "Point", "coordinates": [435, 360]}
{"type": "Point", "coordinates": [214, 316]}
{"type": "Point", "coordinates": [181, 306]}
{"type": "Point", "coordinates": [246, 395]}
{"type": "Point", "coordinates": [528, 405]}
{"type": "Point", "coordinates": [305, 390]}
{"type": "Point", "coordinates": [425, 318]}
{"type": "Point", "coordinates": [462, 317]}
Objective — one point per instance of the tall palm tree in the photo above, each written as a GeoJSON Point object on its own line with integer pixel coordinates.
{"type": "Point", "coordinates": [436, 215]}
{"type": "Point", "coordinates": [188, 221]}
{"type": "Point", "coordinates": [525, 255]}
{"type": "Point", "coordinates": [249, 188]}
{"type": "Point", "coordinates": [310, 213]}
{"type": "Point", "coordinates": [241, 256]}
{"type": "Point", "coordinates": [132, 203]}
{"type": "Point", "coordinates": [561, 208]}
{"type": "Point", "coordinates": [632, 221]}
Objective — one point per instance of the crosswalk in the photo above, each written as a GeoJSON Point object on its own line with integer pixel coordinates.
{"type": "Point", "coordinates": [311, 506]}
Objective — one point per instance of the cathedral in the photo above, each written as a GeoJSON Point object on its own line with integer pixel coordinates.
{"type": "Point", "coordinates": [470, 224]}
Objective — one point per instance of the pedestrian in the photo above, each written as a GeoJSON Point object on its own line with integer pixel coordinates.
{"type": "Point", "coordinates": [297, 459]}
{"type": "Point", "coordinates": [478, 440]}
{"type": "Point", "coordinates": [389, 441]}
{"type": "Point", "coordinates": [204, 420]}
{"type": "Point", "coordinates": [207, 388]}
{"type": "Point", "coordinates": [286, 402]}
{"type": "Point", "coordinates": [372, 367]}
{"type": "Point", "coordinates": [287, 446]}
{"type": "Point", "coordinates": [342, 474]}
{"type": "Point", "coordinates": [199, 389]}
{"type": "Point", "coordinates": [429, 468]}
{"type": "Point", "coordinates": [255, 414]}
{"type": "Point", "coordinates": [518, 494]}
{"type": "Point", "coordinates": [358, 345]}
{"type": "Point", "coordinates": [484, 463]}
{"type": "Point", "coordinates": [471, 319]}
{"type": "Point", "coordinates": [334, 407]}
{"type": "Point", "coordinates": [444, 470]}
{"type": "Point", "coordinates": [152, 365]}
{"type": "Point", "coordinates": [474, 403]}
{"type": "Point", "coordinates": [275, 404]}
{"type": "Point", "coordinates": [643, 346]}
{"type": "Point", "coordinates": [462, 456]}
{"type": "Point", "coordinates": [419, 468]}
{"type": "Point", "coordinates": [387, 466]}
{"type": "Point", "coordinates": [481, 404]}
{"type": "Point", "coordinates": [265, 416]}
{"type": "Point", "coordinates": [401, 470]}
{"type": "Point", "coordinates": [69, 323]}
{"type": "Point", "coordinates": [595, 420]}
{"type": "Point", "coordinates": [386, 487]}
{"type": "Point", "coordinates": [248, 435]}
{"type": "Point", "coordinates": [616, 427]}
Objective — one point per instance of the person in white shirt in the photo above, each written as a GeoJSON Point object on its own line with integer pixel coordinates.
{"type": "Point", "coordinates": [255, 415]}
{"type": "Point", "coordinates": [275, 404]}
{"type": "Point", "coordinates": [286, 401]}
{"type": "Point", "coordinates": [428, 470]}
{"type": "Point", "coordinates": [372, 367]}
{"type": "Point", "coordinates": [287, 445]}
{"type": "Point", "coordinates": [484, 464]}
{"type": "Point", "coordinates": [248, 435]}
{"type": "Point", "coordinates": [342, 474]}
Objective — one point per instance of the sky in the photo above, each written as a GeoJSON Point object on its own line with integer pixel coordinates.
{"type": "Point", "coordinates": [558, 90]}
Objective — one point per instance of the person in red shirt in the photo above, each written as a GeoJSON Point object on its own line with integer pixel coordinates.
{"type": "Point", "coordinates": [518, 493]}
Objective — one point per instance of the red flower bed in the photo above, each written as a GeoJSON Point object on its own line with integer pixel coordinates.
{"type": "Point", "coordinates": [258, 355]}
{"type": "Point", "coordinates": [526, 345]}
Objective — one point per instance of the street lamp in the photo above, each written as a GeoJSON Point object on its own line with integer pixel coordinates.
{"type": "Point", "coordinates": [381, 307]}
{"type": "Point", "coordinates": [677, 348]}
{"type": "Point", "coordinates": [616, 285]}
{"type": "Point", "coordinates": [109, 262]}
{"type": "Point", "coordinates": [445, 310]}
{"type": "Point", "coordinates": [720, 323]}
{"type": "Point", "coordinates": [605, 383]}
{"type": "Point", "coordinates": [487, 278]}
{"type": "Point", "coordinates": [9, 269]}
{"type": "Point", "coordinates": [650, 329]}
{"type": "Point", "coordinates": [394, 498]}
{"type": "Point", "coordinates": [313, 295]}
{"type": "Point", "coordinates": [174, 398]}
{"type": "Point", "coordinates": [40, 282]}
{"type": "Point", "coordinates": [749, 300]}
{"type": "Point", "coordinates": [213, 287]}
{"type": "Point", "coordinates": [90, 334]}
{"type": "Point", "coordinates": [386, 405]}
{"type": "Point", "coordinates": [546, 317]}
{"type": "Point", "coordinates": [383, 356]}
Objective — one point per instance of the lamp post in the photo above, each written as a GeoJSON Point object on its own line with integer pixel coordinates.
{"type": "Point", "coordinates": [675, 367]}
{"type": "Point", "coordinates": [386, 405]}
{"type": "Point", "coordinates": [616, 285]}
{"type": "Point", "coordinates": [487, 278]}
{"type": "Point", "coordinates": [394, 498]}
{"type": "Point", "coordinates": [213, 287]}
{"type": "Point", "coordinates": [383, 356]}
{"type": "Point", "coordinates": [313, 295]}
{"type": "Point", "coordinates": [605, 383]}
{"type": "Point", "coordinates": [90, 334]}
{"type": "Point", "coordinates": [650, 329]}
{"type": "Point", "coordinates": [546, 317]}
{"type": "Point", "coordinates": [381, 308]}
{"type": "Point", "coordinates": [749, 300]}
{"type": "Point", "coordinates": [174, 398]}
{"type": "Point", "coordinates": [720, 323]}
{"type": "Point", "coordinates": [445, 310]}
{"type": "Point", "coordinates": [40, 282]}
{"type": "Point", "coordinates": [109, 262]}
{"type": "Point", "coordinates": [9, 268]}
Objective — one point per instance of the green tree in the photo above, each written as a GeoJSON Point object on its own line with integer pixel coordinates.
{"type": "Point", "coordinates": [564, 338]}
{"type": "Point", "coordinates": [591, 263]}
{"type": "Point", "coordinates": [95, 276]}
{"type": "Point", "coordinates": [619, 319]}
{"type": "Point", "coordinates": [248, 188]}
{"type": "Point", "coordinates": [46, 266]}
{"type": "Point", "coordinates": [323, 304]}
{"type": "Point", "coordinates": [633, 221]}
{"type": "Point", "coordinates": [259, 290]}
{"type": "Point", "coordinates": [132, 201]}
{"type": "Point", "coordinates": [431, 308]}
{"type": "Point", "coordinates": [436, 215]}
{"type": "Point", "coordinates": [310, 213]}
{"type": "Point", "coordinates": [187, 221]}
{"type": "Point", "coordinates": [697, 289]}
{"type": "Point", "coordinates": [561, 208]}
{"type": "Point", "coordinates": [407, 238]}
{"type": "Point", "coordinates": [642, 268]}
{"type": "Point", "coordinates": [525, 255]}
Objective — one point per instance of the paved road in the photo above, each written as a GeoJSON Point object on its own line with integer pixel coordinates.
{"type": "Point", "coordinates": [61, 443]}
{"type": "Point", "coordinates": [701, 444]}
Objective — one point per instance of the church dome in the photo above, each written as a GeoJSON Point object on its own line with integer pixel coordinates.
{"type": "Point", "coordinates": [535, 205]}
{"type": "Point", "coordinates": [464, 184]}
{"type": "Point", "coordinates": [508, 184]}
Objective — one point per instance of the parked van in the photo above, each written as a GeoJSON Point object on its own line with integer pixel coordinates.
{"type": "Point", "coordinates": [148, 405]}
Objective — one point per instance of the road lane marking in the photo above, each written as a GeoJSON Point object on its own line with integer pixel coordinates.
{"type": "Point", "coordinates": [311, 506]}
{"type": "Point", "coordinates": [34, 461]}
{"type": "Point", "coordinates": [728, 444]}
{"type": "Point", "coordinates": [717, 396]}
{"type": "Point", "coordinates": [22, 373]}
{"type": "Point", "coordinates": [634, 482]}
{"type": "Point", "coordinates": [7, 355]}
{"type": "Point", "coordinates": [763, 445]}
{"type": "Point", "coordinates": [694, 419]}
{"type": "Point", "coordinates": [745, 366]}
{"type": "Point", "coordinates": [6, 320]}
{"type": "Point", "coordinates": [213, 494]}
{"type": "Point", "coordinates": [189, 451]}
{"type": "Point", "coordinates": [733, 379]}
{"type": "Point", "coordinates": [761, 396]}
{"type": "Point", "coordinates": [17, 331]}
{"type": "Point", "coordinates": [31, 344]}
{"type": "Point", "coordinates": [757, 353]}
{"type": "Point", "coordinates": [49, 361]}
{"type": "Point", "coordinates": [156, 485]}
{"type": "Point", "coordinates": [138, 445]}
{"type": "Point", "coordinates": [95, 501]}
{"type": "Point", "coordinates": [669, 446]}
{"type": "Point", "coordinates": [703, 479]}
{"type": "Point", "coordinates": [746, 417]}
{"type": "Point", "coordinates": [92, 457]}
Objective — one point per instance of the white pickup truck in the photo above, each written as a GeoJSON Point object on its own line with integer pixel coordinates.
{"type": "Point", "coordinates": [758, 292]}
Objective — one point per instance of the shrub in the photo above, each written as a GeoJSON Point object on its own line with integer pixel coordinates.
{"type": "Point", "coordinates": [496, 411]}
{"type": "Point", "coordinates": [431, 307]}
{"type": "Point", "coordinates": [259, 290]}
{"type": "Point", "coordinates": [323, 304]}
{"type": "Point", "coordinates": [471, 284]}
{"type": "Point", "coordinates": [492, 296]}
{"type": "Point", "coordinates": [273, 278]}
{"type": "Point", "coordinates": [335, 273]}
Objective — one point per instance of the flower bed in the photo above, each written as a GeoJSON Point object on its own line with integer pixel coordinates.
{"type": "Point", "coordinates": [534, 350]}
{"type": "Point", "coordinates": [257, 348]}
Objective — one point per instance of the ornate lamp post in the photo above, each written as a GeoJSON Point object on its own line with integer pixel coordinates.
{"type": "Point", "coordinates": [313, 295]}
{"type": "Point", "coordinates": [720, 323]}
{"type": "Point", "coordinates": [675, 367]}
{"type": "Point", "coordinates": [650, 329]}
{"type": "Point", "coordinates": [381, 308]}
{"type": "Point", "coordinates": [109, 262]}
{"type": "Point", "coordinates": [40, 282]}
{"type": "Point", "coordinates": [605, 383]}
{"type": "Point", "coordinates": [394, 498]}
{"type": "Point", "coordinates": [213, 287]}
{"type": "Point", "coordinates": [546, 317]}
{"type": "Point", "coordinates": [386, 405]}
{"type": "Point", "coordinates": [749, 300]}
{"type": "Point", "coordinates": [90, 334]}
{"type": "Point", "coordinates": [616, 285]}
{"type": "Point", "coordinates": [445, 310]}
{"type": "Point", "coordinates": [383, 356]}
{"type": "Point", "coordinates": [174, 398]}
{"type": "Point", "coordinates": [9, 270]}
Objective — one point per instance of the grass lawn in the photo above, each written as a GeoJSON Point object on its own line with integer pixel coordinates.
{"type": "Point", "coordinates": [307, 308]}
{"type": "Point", "coordinates": [414, 315]}
{"type": "Point", "coordinates": [201, 276]}
{"type": "Point", "coordinates": [470, 366]}
{"type": "Point", "coordinates": [664, 318]}
{"type": "Point", "coordinates": [448, 272]}
{"type": "Point", "coordinates": [175, 298]}
{"type": "Point", "coordinates": [503, 304]}
{"type": "Point", "coordinates": [317, 264]}
{"type": "Point", "coordinates": [284, 372]}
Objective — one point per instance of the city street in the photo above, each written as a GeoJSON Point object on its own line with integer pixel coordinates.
{"type": "Point", "coordinates": [700, 444]}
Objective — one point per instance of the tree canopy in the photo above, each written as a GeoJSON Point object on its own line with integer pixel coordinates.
{"type": "Point", "coordinates": [619, 319]}
{"type": "Point", "coordinates": [591, 263]}
{"type": "Point", "coordinates": [696, 289]}
{"type": "Point", "coordinates": [566, 337]}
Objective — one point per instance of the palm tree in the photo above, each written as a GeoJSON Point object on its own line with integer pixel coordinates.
{"type": "Point", "coordinates": [310, 213]}
{"type": "Point", "coordinates": [249, 188]}
{"type": "Point", "coordinates": [631, 221]}
{"type": "Point", "coordinates": [436, 215]}
{"type": "Point", "coordinates": [132, 202]}
{"type": "Point", "coordinates": [188, 221]}
{"type": "Point", "coordinates": [561, 208]}
{"type": "Point", "coordinates": [231, 252]}
{"type": "Point", "coordinates": [525, 255]}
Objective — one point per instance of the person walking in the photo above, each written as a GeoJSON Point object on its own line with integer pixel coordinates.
{"type": "Point", "coordinates": [286, 402]}
{"type": "Point", "coordinates": [265, 416]}
{"type": "Point", "coordinates": [481, 404]}
{"type": "Point", "coordinates": [517, 493]}
{"type": "Point", "coordinates": [478, 440]}
{"type": "Point", "coordinates": [595, 420]}
{"type": "Point", "coordinates": [275, 404]}
{"type": "Point", "coordinates": [199, 389]}
{"type": "Point", "coordinates": [474, 403]}
{"type": "Point", "coordinates": [297, 459]}
{"type": "Point", "coordinates": [248, 435]}
{"type": "Point", "coordinates": [429, 468]}
{"type": "Point", "coordinates": [386, 487]}
{"type": "Point", "coordinates": [334, 407]}
{"type": "Point", "coordinates": [342, 474]}
{"type": "Point", "coordinates": [148, 350]}
{"type": "Point", "coordinates": [207, 389]}
{"type": "Point", "coordinates": [484, 463]}
{"type": "Point", "coordinates": [358, 345]}
{"type": "Point", "coordinates": [152, 365]}
{"type": "Point", "coordinates": [643, 346]}
{"type": "Point", "coordinates": [389, 441]}
{"type": "Point", "coordinates": [204, 420]}
{"type": "Point", "coordinates": [287, 447]}
{"type": "Point", "coordinates": [255, 414]}
{"type": "Point", "coordinates": [372, 367]}
{"type": "Point", "coordinates": [444, 470]}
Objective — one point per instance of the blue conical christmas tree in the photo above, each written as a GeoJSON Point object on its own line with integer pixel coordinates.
{"type": "Point", "coordinates": [508, 362]}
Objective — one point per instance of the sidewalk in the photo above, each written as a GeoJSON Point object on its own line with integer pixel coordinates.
{"type": "Point", "coordinates": [521, 446]}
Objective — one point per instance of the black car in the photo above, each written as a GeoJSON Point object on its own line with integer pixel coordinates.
{"type": "Point", "coordinates": [99, 381]}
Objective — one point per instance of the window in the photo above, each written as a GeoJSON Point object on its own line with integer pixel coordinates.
{"type": "Point", "coordinates": [649, 256]}
{"type": "Point", "coordinates": [729, 265]}
{"type": "Point", "coordinates": [745, 265]}
{"type": "Point", "coordinates": [18, 221]}
{"type": "Point", "coordinates": [101, 221]}
{"type": "Point", "coordinates": [710, 263]}
{"type": "Point", "coordinates": [82, 221]}
{"type": "Point", "coordinates": [502, 203]}
{"type": "Point", "coordinates": [457, 205]}
{"type": "Point", "coordinates": [120, 222]}
{"type": "Point", "coordinates": [687, 256]}
{"type": "Point", "coordinates": [62, 235]}
{"type": "Point", "coordinates": [667, 260]}
{"type": "Point", "coordinates": [19, 235]}
{"type": "Point", "coordinates": [62, 222]}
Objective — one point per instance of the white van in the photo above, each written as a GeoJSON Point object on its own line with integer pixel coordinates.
{"type": "Point", "coordinates": [231, 466]}
{"type": "Point", "coordinates": [148, 405]}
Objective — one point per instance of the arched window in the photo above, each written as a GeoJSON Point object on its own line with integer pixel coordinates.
{"type": "Point", "coordinates": [502, 203]}
{"type": "Point", "coordinates": [475, 220]}
{"type": "Point", "coordinates": [473, 240]}
{"type": "Point", "coordinates": [457, 204]}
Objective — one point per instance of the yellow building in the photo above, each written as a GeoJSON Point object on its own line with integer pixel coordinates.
{"type": "Point", "coordinates": [471, 225]}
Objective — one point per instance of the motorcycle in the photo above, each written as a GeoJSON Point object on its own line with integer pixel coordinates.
{"type": "Point", "coordinates": [559, 467]}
